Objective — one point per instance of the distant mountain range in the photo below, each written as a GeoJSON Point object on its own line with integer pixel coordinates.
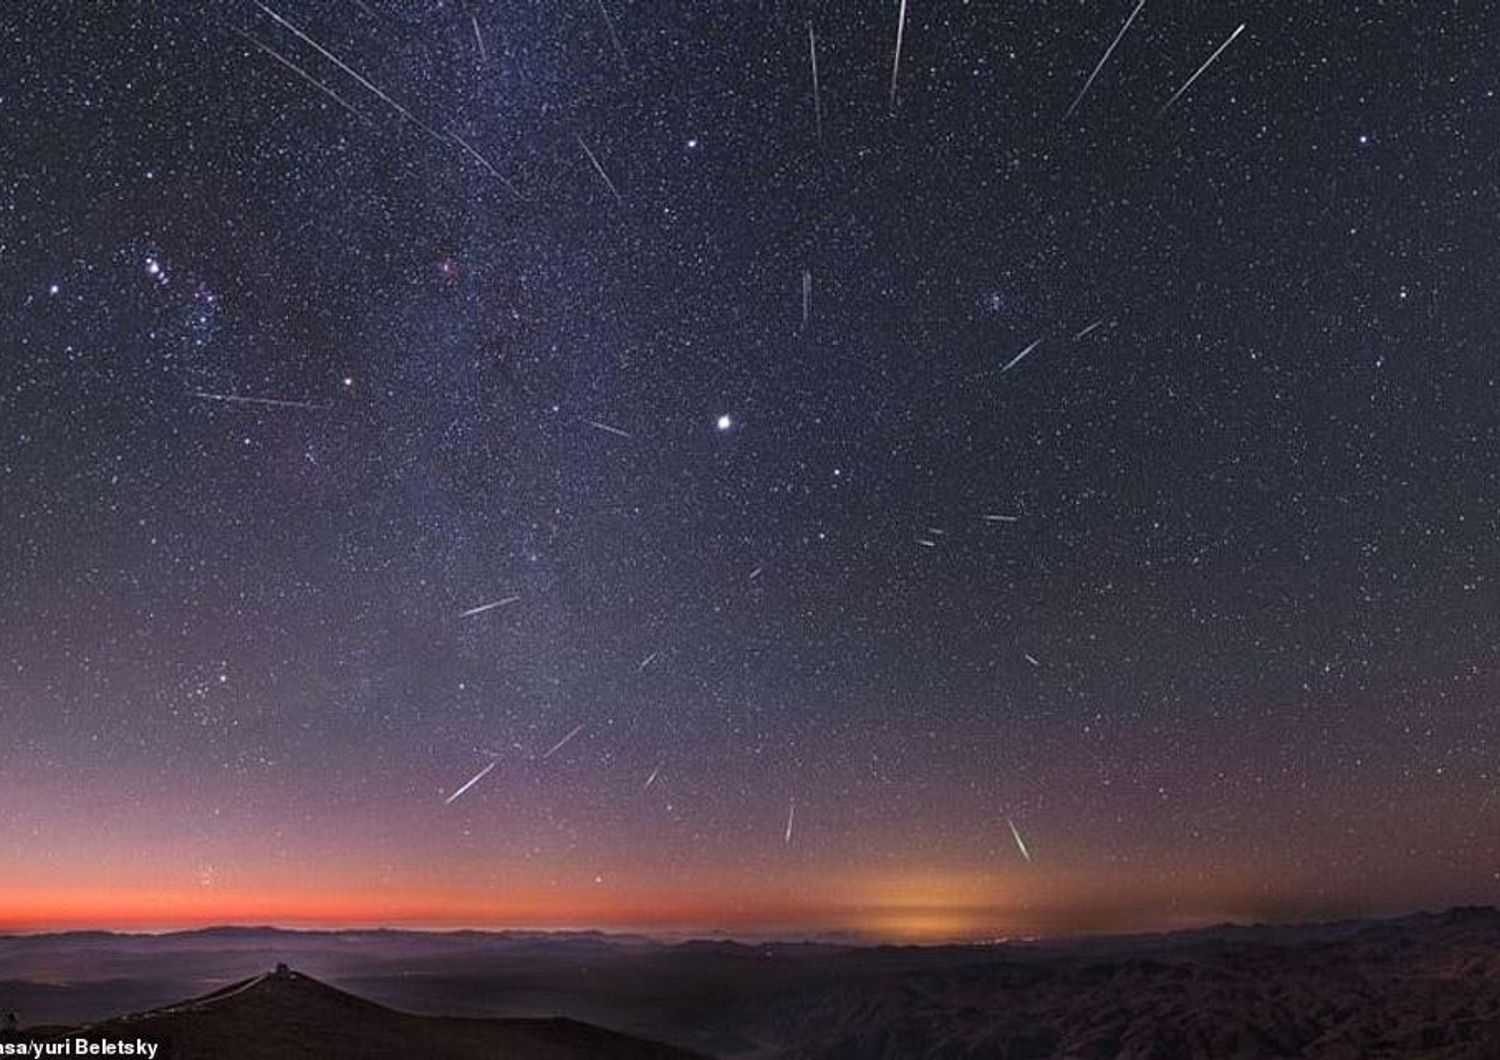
{"type": "Point", "coordinates": [1424, 987]}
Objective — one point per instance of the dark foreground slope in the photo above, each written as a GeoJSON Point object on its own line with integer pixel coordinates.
{"type": "Point", "coordinates": [285, 1015]}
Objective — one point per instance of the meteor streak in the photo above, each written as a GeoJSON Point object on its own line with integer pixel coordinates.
{"type": "Point", "coordinates": [1020, 356]}
{"type": "Point", "coordinates": [558, 746]}
{"type": "Point", "coordinates": [482, 608]}
{"type": "Point", "coordinates": [812, 50]}
{"type": "Point", "coordinates": [408, 115]}
{"type": "Point", "coordinates": [479, 40]}
{"type": "Point", "coordinates": [896, 63]}
{"type": "Point", "coordinates": [294, 68]}
{"type": "Point", "coordinates": [607, 427]}
{"type": "Point", "coordinates": [1020, 843]}
{"type": "Point", "coordinates": [475, 779]}
{"type": "Point", "coordinates": [600, 170]}
{"type": "Point", "coordinates": [1199, 72]}
{"type": "Point", "coordinates": [485, 162]}
{"type": "Point", "coordinates": [612, 34]}
{"type": "Point", "coordinates": [1107, 53]}
{"type": "Point", "coordinates": [240, 399]}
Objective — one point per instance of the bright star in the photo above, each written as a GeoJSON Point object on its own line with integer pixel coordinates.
{"type": "Point", "coordinates": [725, 422]}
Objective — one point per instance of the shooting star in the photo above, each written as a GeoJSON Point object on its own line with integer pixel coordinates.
{"type": "Point", "coordinates": [1020, 843]}
{"type": "Point", "coordinates": [812, 51]}
{"type": "Point", "coordinates": [475, 779]}
{"type": "Point", "coordinates": [896, 62]}
{"type": "Point", "coordinates": [600, 170]}
{"type": "Point", "coordinates": [294, 68]}
{"type": "Point", "coordinates": [1020, 356]}
{"type": "Point", "coordinates": [806, 297]}
{"type": "Point", "coordinates": [558, 746]}
{"type": "Point", "coordinates": [482, 608]}
{"type": "Point", "coordinates": [1030, 659]}
{"type": "Point", "coordinates": [647, 661]}
{"type": "Point", "coordinates": [791, 815]}
{"type": "Point", "coordinates": [1001, 518]}
{"type": "Point", "coordinates": [1104, 59]}
{"type": "Point", "coordinates": [925, 543]}
{"type": "Point", "coordinates": [479, 39]}
{"type": "Point", "coordinates": [651, 779]}
{"type": "Point", "coordinates": [755, 573]}
{"type": "Point", "coordinates": [241, 399]}
{"type": "Point", "coordinates": [1199, 72]}
{"type": "Point", "coordinates": [607, 427]}
{"type": "Point", "coordinates": [485, 162]}
{"type": "Point", "coordinates": [1088, 329]}
{"type": "Point", "coordinates": [613, 35]}
{"type": "Point", "coordinates": [408, 115]}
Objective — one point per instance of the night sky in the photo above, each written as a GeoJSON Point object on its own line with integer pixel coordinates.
{"type": "Point", "coordinates": [326, 325]}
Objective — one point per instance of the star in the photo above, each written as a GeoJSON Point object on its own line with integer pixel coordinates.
{"type": "Point", "coordinates": [920, 501]}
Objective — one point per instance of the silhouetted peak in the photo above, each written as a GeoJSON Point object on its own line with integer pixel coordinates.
{"type": "Point", "coordinates": [284, 1014]}
{"type": "Point", "coordinates": [281, 989]}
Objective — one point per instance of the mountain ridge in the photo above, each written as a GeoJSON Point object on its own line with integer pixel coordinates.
{"type": "Point", "coordinates": [837, 940]}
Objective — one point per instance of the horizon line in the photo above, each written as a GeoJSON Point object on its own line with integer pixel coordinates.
{"type": "Point", "coordinates": [825, 936]}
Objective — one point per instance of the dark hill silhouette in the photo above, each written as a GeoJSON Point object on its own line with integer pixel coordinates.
{"type": "Point", "coordinates": [285, 1015]}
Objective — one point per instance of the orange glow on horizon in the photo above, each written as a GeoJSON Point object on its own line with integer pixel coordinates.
{"type": "Point", "coordinates": [912, 907]}
{"type": "Point", "coordinates": [187, 908]}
